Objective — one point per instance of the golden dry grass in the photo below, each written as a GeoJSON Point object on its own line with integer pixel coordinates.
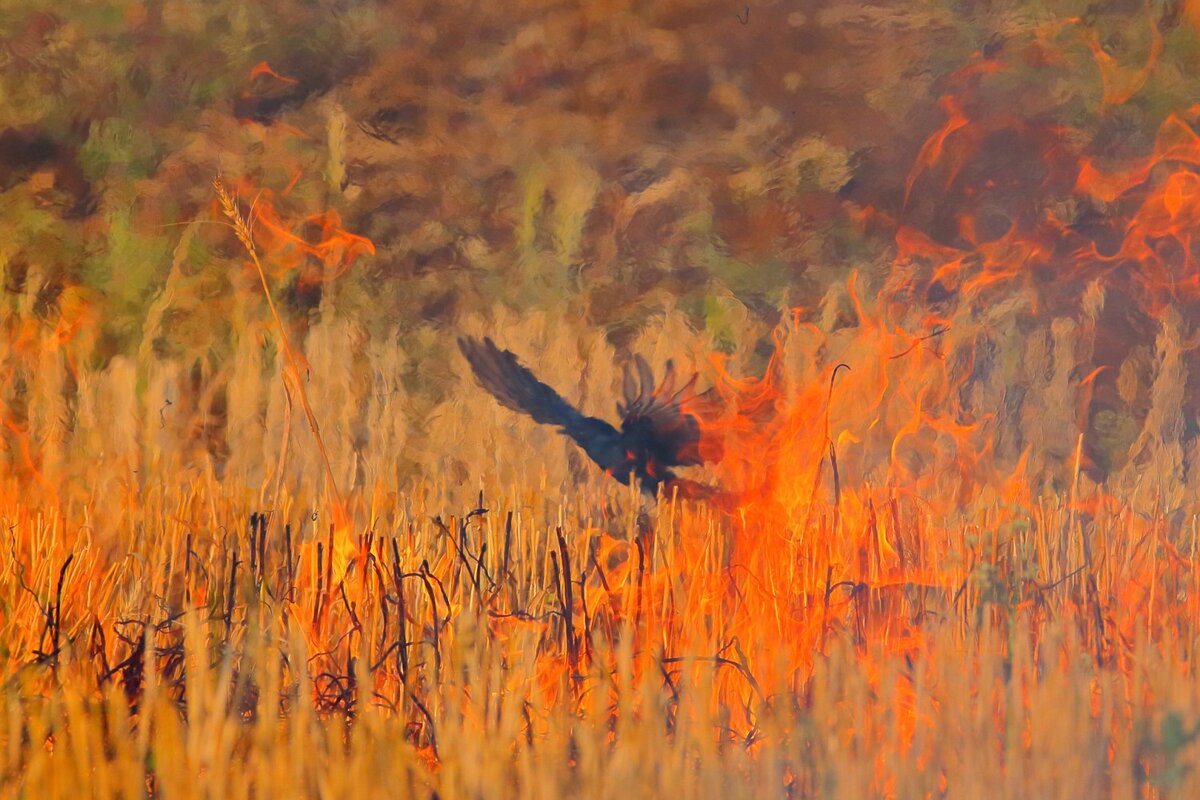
{"type": "Point", "coordinates": [911, 585]}
{"type": "Point", "coordinates": [943, 623]}
{"type": "Point", "coordinates": [162, 668]}
{"type": "Point", "coordinates": [963, 567]}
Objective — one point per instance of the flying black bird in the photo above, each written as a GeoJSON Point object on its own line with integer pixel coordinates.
{"type": "Point", "coordinates": [657, 431]}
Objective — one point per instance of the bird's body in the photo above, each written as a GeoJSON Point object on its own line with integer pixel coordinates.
{"type": "Point", "coordinates": [657, 431]}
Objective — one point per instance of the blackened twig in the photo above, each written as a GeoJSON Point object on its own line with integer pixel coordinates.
{"type": "Point", "coordinates": [262, 547]}
{"type": "Point", "coordinates": [437, 623]}
{"type": "Point", "coordinates": [721, 661]}
{"type": "Point", "coordinates": [568, 600]}
{"type": "Point", "coordinates": [508, 529]}
{"type": "Point", "coordinates": [232, 595]}
{"type": "Point", "coordinates": [319, 599]}
{"type": "Point", "coordinates": [291, 567]}
{"type": "Point", "coordinates": [254, 544]}
{"type": "Point", "coordinates": [401, 613]}
{"type": "Point", "coordinates": [416, 701]}
{"type": "Point", "coordinates": [936, 332]}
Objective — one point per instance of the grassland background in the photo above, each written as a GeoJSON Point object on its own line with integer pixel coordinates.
{"type": "Point", "coordinates": [604, 170]}
{"type": "Point", "coordinates": [585, 181]}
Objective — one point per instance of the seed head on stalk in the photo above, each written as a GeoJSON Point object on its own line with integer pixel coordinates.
{"type": "Point", "coordinates": [293, 361]}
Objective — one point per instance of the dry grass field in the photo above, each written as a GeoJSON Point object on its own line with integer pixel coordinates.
{"type": "Point", "coordinates": [875, 604]}
{"type": "Point", "coordinates": [262, 536]}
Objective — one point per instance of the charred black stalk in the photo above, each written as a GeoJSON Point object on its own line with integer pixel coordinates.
{"type": "Point", "coordinates": [437, 582]}
{"type": "Point", "coordinates": [366, 542]}
{"type": "Point", "coordinates": [480, 569]}
{"type": "Point", "coordinates": [825, 608]}
{"type": "Point", "coordinates": [320, 582]}
{"type": "Point", "coordinates": [562, 607]}
{"type": "Point", "coordinates": [464, 551]}
{"type": "Point", "coordinates": [425, 576]}
{"type": "Point", "coordinates": [344, 698]}
{"type": "Point", "coordinates": [62, 576]}
{"type": "Point", "coordinates": [837, 478]}
{"type": "Point", "coordinates": [254, 544]}
{"type": "Point", "coordinates": [721, 660]}
{"type": "Point", "coordinates": [459, 549]}
{"type": "Point", "coordinates": [231, 597]}
{"type": "Point", "coordinates": [479, 509]}
{"type": "Point", "coordinates": [587, 620]}
{"type": "Point", "coordinates": [1097, 619]}
{"type": "Point", "coordinates": [673, 706]}
{"type": "Point", "coordinates": [508, 529]}
{"type": "Point", "coordinates": [187, 569]}
{"type": "Point", "coordinates": [373, 562]}
{"type": "Point", "coordinates": [355, 623]}
{"type": "Point", "coordinates": [480, 566]}
{"type": "Point", "coordinates": [98, 650]}
{"type": "Point", "coordinates": [53, 614]}
{"type": "Point", "coordinates": [603, 582]}
{"type": "Point", "coordinates": [860, 615]}
{"type": "Point", "coordinates": [290, 567]}
{"type": "Point", "coordinates": [416, 701]}
{"type": "Point", "coordinates": [133, 671]}
{"type": "Point", "coordinates": [329, 565]}
{"type": "Point", "coordinates": [528, 723]}
{"type": "Point", "coordinates": [568, 601]}
{"type": "Point", "coordinates": [873, 527]}
{"type": "Point", "coordinates": [837, 482]}
{"type": "Point", "coordinates": [896, 533]}
{"type": "Point", "coordinates": [637, 617]}
{"type": "Point", "coordinates": [262, 548]}
{"type": "Point", "coordinates": [599, 569]}
{"type": "Point", "coordinates": [401, 613]}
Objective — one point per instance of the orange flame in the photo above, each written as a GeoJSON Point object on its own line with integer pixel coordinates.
{"type": "Point", "coordinates": [263, 68]}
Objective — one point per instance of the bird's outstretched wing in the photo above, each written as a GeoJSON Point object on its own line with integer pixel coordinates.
{"type": "Point", "coordinates": [514, 386]}
{"type": "Point", "coordinates": [658, 415]}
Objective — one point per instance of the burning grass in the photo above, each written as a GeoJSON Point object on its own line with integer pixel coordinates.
{"type": "Point", "coordinates": [1047, 651]}
{"type": "Point", "coordinates": [954, 548]}
{"type": "Point", "coordinates": [893, 593]}
{"type": "Point", "coordinates": [885, 599]}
